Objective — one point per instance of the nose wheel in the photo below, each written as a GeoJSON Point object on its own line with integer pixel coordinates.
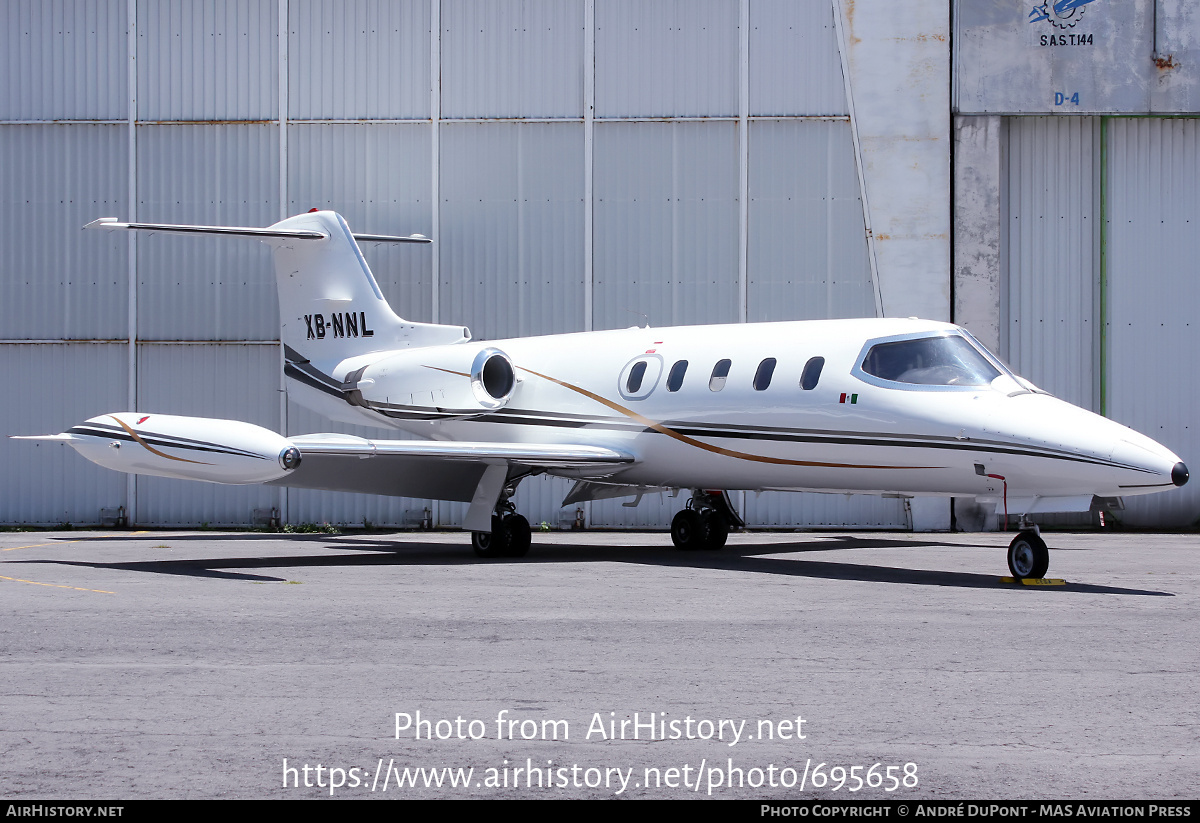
{"type": "Point", "coordinates": [1028, 557]}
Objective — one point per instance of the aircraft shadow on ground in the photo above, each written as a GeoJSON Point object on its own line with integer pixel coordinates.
{"type": "Point", "coordinates": [371, 551]}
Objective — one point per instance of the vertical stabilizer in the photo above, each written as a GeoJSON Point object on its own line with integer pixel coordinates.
{"type": "Point", "coordinates": [333, 315]}
{"type": "Point", "coordinates": [330, 306]}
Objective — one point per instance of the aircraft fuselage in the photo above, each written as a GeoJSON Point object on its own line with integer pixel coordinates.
{"type": "Point", "coordinates": [757, 426]}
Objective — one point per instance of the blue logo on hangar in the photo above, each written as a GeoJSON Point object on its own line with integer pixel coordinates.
{"type": "Point", "coordinates": [1062, 14]}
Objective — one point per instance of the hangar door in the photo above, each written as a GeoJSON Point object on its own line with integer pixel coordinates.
{"type": "Point", "coordinates": [1101, 226]}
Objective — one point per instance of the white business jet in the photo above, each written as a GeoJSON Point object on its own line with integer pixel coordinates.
{"type": "Point", "coordinates": [885, 406]}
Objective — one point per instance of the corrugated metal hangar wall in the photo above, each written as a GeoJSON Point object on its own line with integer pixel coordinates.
{"type": "Point", "coordinates": [580, 165]}
{"type": "Point", "coordinates": [1077, 209]}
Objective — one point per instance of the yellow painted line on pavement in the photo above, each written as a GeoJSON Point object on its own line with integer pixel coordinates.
{"type": "Point", "coordinates": [65, 542]}
{"type": "Point", "coordinates": [1035, 581]}
{"type": "Point", "coordinates": [54, 585]}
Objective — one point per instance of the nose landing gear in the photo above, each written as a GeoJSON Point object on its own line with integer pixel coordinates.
{"type": "Point", "coordinates": [1028, 557]}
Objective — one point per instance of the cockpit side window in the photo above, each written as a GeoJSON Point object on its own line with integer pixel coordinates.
{"type": "Point", "coordinates": [719, 374]}
{"type": "Point", "coordinates": [944, 360]}
{"type": "Point", "coordinates": [812, 373]}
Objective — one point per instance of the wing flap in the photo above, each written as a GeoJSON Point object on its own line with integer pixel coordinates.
{"type": "Point", "coordinates": [430, 468]}
{"type": "Point", "coordinates": [423, 478]}
{"type": "Point", "coordinates": [536, 455]}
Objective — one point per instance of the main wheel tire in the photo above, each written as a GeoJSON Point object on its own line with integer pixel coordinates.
{"type": "Point", "coordinates": [492, 544]}
{"type": "Point", "coordinates": [484, 545]}
{"type": "Point", "coordinates": [687, 532]}
{"type": "Point", "coordinates": [1028, 557]}
{"type": "Point", "coordinates": [715, 529]}
{"type": "Point", "coordinates": [519, 535]}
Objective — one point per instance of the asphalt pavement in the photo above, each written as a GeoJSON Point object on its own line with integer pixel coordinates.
{"type": "Point", "coordinates": [603, 664]}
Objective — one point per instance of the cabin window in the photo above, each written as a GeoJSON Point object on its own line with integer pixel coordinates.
{"type": "Point", "coordinates": [634, 383]}
{"type": "Point", "coordinates": [719, 373]}
{"type": "Point", "coordinates": [640, 376]}
{"type": "Point", "coordinates": [812, 373]}
{"type": "Point", "coordinates": [675, 378]}
{"type": "Point", "coordinates": [762, 377]}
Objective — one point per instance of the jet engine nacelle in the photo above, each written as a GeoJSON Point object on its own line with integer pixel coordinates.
{"type": "Point", "coordinates": [186, 448]}
{"type": "Point", "coordinates": [460, 378]}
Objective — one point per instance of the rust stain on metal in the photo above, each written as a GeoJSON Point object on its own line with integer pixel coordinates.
{"type": "Point", "coordinates": [849, 6]}
{"type": "Point", "coordinates": [883, 236]}
{"type": "Point", "coordinates": [1165, 63]}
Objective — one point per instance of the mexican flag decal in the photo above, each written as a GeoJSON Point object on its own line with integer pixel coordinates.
{"type": "Point", "coordinates": [849, 398]}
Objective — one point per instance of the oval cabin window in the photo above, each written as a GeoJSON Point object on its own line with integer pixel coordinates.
{"type": "Point", "coordinates": [720, 373]}
{"type": "Point", "coordinates": [675, 378]}
{"type": "Point", "coordinates": [634, 384]}
{"type": "Point", "coordinates": [762, 377]}
{"type": "Point", "coordinates": [639, 376]}
{"type": "Point", "coordinates": [812, 373]}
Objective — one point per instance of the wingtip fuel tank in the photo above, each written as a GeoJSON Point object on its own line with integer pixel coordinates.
{"type": "Point", "coordinates": [186, 448]}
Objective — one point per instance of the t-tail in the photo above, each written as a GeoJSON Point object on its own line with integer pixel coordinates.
{"type": "Point", "coordinates": [333, 316]}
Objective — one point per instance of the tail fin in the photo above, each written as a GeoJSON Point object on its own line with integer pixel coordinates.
{"type": "Point", "coordinates": [330, 306]}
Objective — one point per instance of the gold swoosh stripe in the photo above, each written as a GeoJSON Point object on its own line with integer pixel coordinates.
{"type": "Point", "coordinates": [150, 448]}
{"type": "Point", "coordinates": [691, 441]}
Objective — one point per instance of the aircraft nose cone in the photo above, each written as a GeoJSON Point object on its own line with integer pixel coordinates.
{"type": "Point", "coordinates": [1179, 474]}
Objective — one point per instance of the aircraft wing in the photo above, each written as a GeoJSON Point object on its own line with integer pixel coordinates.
{"type": "Point", "coordinates": [231, 451]}
{"type": "Point", "coordinates": [429, 468]}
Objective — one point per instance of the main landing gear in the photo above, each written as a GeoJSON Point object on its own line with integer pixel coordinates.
{"type": "Point", "coordinates": [706, 521]}
{"type": "Point", "coordinates": [510, 534]}
{"type": "Point", "coordinates": [509, 537]}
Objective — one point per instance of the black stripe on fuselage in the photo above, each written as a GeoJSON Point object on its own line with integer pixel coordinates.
{"type": "Point", "coordinates": [308, 378]}
{"type": "Point", "coordinates": [839, 438]}
{"type": "Point", "coordinates": [914, 441]}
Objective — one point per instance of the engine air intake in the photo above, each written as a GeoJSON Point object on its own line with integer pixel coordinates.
{"type": "Point", "coordinates": [492, 378]}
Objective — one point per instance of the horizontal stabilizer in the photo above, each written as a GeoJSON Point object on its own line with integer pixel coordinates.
{"type": "Point", "coordinates": [244, 231]}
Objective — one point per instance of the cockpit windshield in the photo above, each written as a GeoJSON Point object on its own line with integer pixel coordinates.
{"type": "Point", "coordinates": [943, 360]}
